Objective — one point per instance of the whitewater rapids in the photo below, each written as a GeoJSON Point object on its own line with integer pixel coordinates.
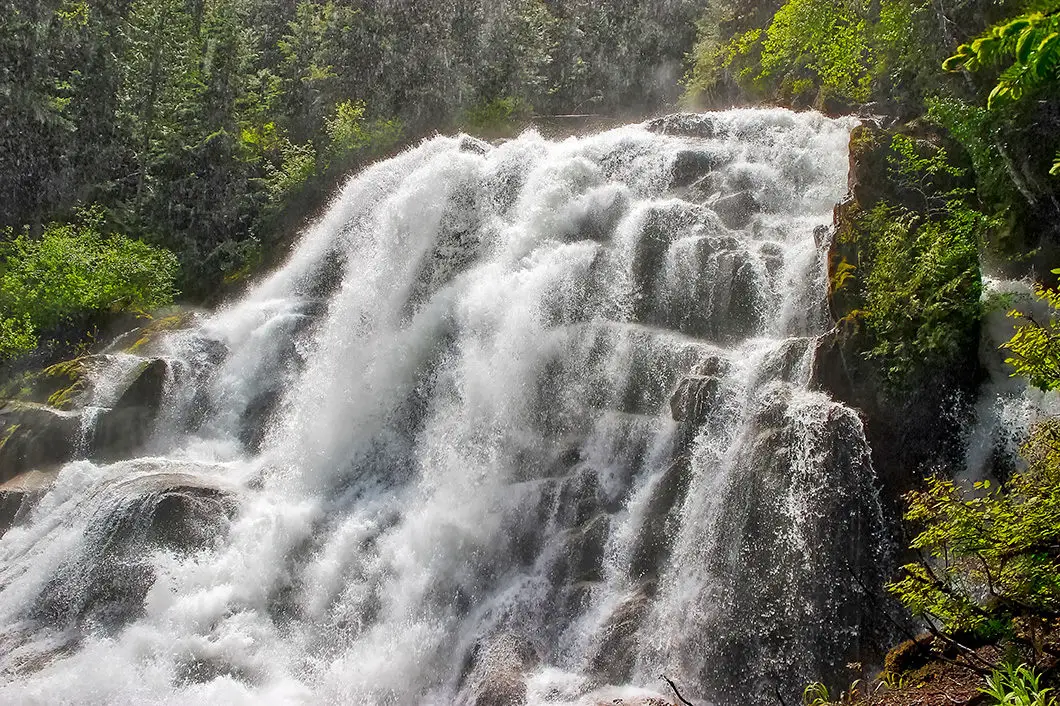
{"type": "Point", "coordinates": [526, 422]}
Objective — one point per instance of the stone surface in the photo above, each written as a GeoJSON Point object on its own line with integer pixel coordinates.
{"type": "Point", "coordinates": [125, 427]}
{"type": "Point", "coordinates": [18, 495]}
{"type": "Point", "coordinates": [149, 508]}
{"type": "Point", "coordinates": [498, 668]}
{"type": "Point", "coordinates": [736, 210]}
{"type": "Point", "coordinates": [689, 166]}
{"type": "Point", "coordinates": [684, 125]}
{"type": "Point", "coordinates": [617, 645]}
{"type": "Point", "coordinates": [35, 436]}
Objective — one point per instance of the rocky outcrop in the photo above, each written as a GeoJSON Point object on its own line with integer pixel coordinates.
{"type": "Point", "coordinates": [126, 425]}
{"type": "Point", "coordinates": [684, 125]}
{"type": "Point", "coordinates": [916, 426]}
{"type": "Point", "coordinates": [41, 437]}
{"type": "Point", "coordinates": [499, 665]}
{"type": "Point", "coordinates": [617, 649]}
{"type": "Point", "coordinates": [18, 495]}
{"type": "Point", "coordinates": [152, 509]}
{"type": "Point", "coordinates": [35, 436]}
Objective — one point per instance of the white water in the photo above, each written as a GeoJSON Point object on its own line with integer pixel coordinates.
{"type": "Point", "coordinates": [445, 425]}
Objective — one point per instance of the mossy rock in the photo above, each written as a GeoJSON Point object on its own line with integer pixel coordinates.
{"type": "Point", "coordinates": [69, 380]}
{"type": "Point", "coordinates": [148, 334]}
{"type": "Point", "coordinates": [35, 436]}
{"type": "Point", "coordinates": [58, 385]}
{"type": "Point", "coordinates": [908, 656]}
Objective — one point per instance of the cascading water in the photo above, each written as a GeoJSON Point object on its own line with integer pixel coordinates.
{"type": "Point", "coordinates": [519, 423]}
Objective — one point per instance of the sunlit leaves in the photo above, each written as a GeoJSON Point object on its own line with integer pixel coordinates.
{"type": "Point", "coordinates": [1035, 346]}
{"type": "Point", "coordinates": [1030, 42]}
{"type": "Point", "coordinates": [989, 556]}
{"type": "Point", "coordinates": [73, 269]}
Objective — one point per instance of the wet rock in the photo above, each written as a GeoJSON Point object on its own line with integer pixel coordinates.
{"type": "Point", "coordinates": [616, 651]}
{"type": "Point", "coordinates": [18, 495]}
{"type": "Point", "coordinates": [736, 210]}
{"type": "Point", "coordinates": [693, 399]}
{"type": "Point", "coordinates": [35, 436]}
{"type": "Point", "coordinates": [683, 125]}
{"type": "Point", "coordinates": [105, 585]}
{"type": "Point", "coordinates": [582, 556]}
{"type": "Point", "coordinates": [147, 387]}
{"type": "Point", "coordinates": [474, 145]}
{"type": "Point", "coordinates": [660, 521]}
{"type": "Point", "coordinates": [254, 421]}
{"type": "Point", "coordinates": [689, 166]}
{"type": "Point", "coordinates": [497, 671]}
{"type": "Point", "coordinates": [144, 338]}
{"type": "Point", "coordinates": [125, 427]}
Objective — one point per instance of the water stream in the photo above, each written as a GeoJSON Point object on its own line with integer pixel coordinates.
{"type": "Point", "coordinates": [530, 422]}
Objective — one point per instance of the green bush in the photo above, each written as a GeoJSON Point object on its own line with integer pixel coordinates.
{"type": "Point", "coordinates": [73, 271]}
{"type": "Point", "coordinates": [1035, 347]}
{"type": "Point", "coordinates": [496, 115]}
{"type": "Point", "coordinates": [923, 288]}
{"type": "Point", "coordinates": [990, 560]}
{"type": "Point", "coordinates": [823, 42]}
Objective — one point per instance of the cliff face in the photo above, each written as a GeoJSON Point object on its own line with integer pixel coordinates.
{"type": "Point", "coordinates": [914, 409]}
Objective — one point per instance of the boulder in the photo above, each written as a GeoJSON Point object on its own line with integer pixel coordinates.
{"type": "Point", "coordinates": [683, 125]}
{"type": "Point", "coordinates": [693, 398]}
{"type": "Point", "coordinates": [18, 495]}
{"type": "Point", "coordinates": [35, 436]}
{"type": "Point", "coordinates": [660, 521]}
{"type": "Point", "coordinates": [125, 426]}
{"type": "Point", "coordinates": [497, 670]}
{"type": "Point", "coordinates": [736, 210]}
{"type": "Point", "coordinates": [616, 644]}
{"type": "Point", "coordinates": [690, 166]}
{"type": "Point", "coordinates": [147, 509]}
{"type": "Point", "coordinates": [582, 557]}
{"type": "Point", "coordinates": [473, 145]}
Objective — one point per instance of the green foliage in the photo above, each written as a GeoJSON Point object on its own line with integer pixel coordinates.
{"type": "Point", "coordinates": [923, 288]}
{"type": "Point", "coordinates": [918, 280]}
{"type": "Point", "coordinates": [73, 271]}
{"type": "Point", "coordinates": [1031, 42]}
{"type": "Point", "coordinates": [978, 131]}
{"type": "Point", "coordinates": [496, 115]}
{"type": "Point", "coordinates": [1035, 346]}
{"type": "Point", "coordinates": [809, 44]}
{"type": "Point", "coordinates": [202, 126]}
{"type": "Point", "coordinates": [819, 51]}
{"type": "Point", "coordinates": [991, 558]}
{"type": "Point", "coordinates": [824, 42]}
{"type": "Point", "coordinates": [1017, 685]}
{"type": "Point", "coordinates": [816, 694]}
{"type": "Point", "coordinates": [349, 132]}
{"type": "Point", "coordinates": [16, 336]}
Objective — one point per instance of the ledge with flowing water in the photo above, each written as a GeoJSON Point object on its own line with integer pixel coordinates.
{"type": "Point", "coordinates": [530, 422]}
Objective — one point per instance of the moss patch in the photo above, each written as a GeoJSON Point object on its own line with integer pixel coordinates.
{"type": "Point", "coordinates": [151, 331]}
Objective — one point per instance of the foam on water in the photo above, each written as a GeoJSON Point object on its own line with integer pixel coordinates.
{"type": "Point", "coordinates": [447, 430]}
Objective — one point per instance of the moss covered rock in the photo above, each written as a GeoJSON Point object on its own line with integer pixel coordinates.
{"type": "Point", "coordinates": [904, 290]}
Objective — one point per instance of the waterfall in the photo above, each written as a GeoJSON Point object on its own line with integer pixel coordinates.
{"type": "Point", "coordinates": [530, 422]}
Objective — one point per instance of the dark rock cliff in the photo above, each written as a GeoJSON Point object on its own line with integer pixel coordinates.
{"type": "Point", "coordinates": [913, 428]}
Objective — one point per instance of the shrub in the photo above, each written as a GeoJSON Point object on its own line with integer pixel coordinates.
{"type": "Point", "coordinates": [1035, 346]}
{"type": "Point", "coordinates": [990, 559]}
{"type": "Point", "coordinates": [73, 271]}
